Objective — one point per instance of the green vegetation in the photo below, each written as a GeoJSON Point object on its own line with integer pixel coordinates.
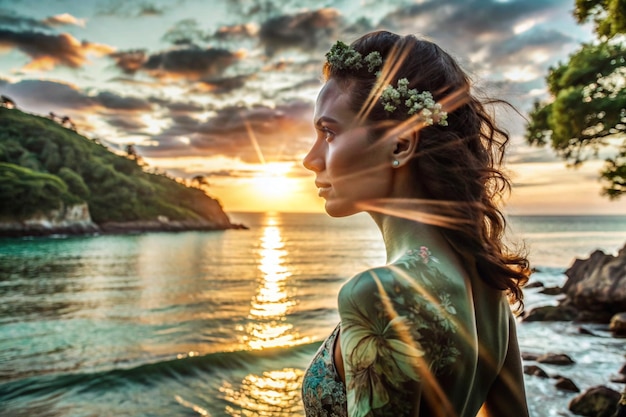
{"type": "Point", "coordinates": [44, 165]}
{"type": "Point", "coordinates": [588, 107]}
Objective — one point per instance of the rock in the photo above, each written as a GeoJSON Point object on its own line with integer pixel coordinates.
{"type": "Point", "coordinates": [534, 370]}
{"type": "Point", "coordinates": [589, 316]}
{"type": "Point", "coordinates": [74, 219]}
{"type": "Point", "coordinates": [551, 291]}
{"type": "Point", "coordinates": [596, 286]}
{"type": "Point", "coordinates": [584, 330]}
{"type": "Point", "coordinates": [621, 405]}
{"type": "Point", "coordinates": [617, 324]}
{"type": "Point", "coordinates": [566, 384]}
{"type": "Point", "coordinates": [529, 356]}
{"type": "Point", "coordinates": [597, 401]}
{"type": "Point", "coordinates": [550, 313]}
{"type": "Point", "coordinates": [621, 379]}
{"type": "Point", "coordinates": [555, 359]}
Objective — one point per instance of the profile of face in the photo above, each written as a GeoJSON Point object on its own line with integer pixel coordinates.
{"type": "Point", "coordinates": [349, 166]}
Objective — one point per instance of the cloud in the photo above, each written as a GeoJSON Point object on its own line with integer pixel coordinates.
{"type": "Point", "coordinates": [114, 101]}
{"type": "Point", "coordinates": [191, 63]}
{"type": "Point", "coordinates": [223, 85]}
{"type": "Point", "coordinates": [478, 17]}
{"type": "Point", "coordinates": [126, 123]}
{"type": "Point", "coordinates": [188, 32]}
{"type": "Point", "coordinates": [280, 133]}
{"type": "Point", "coordinates": [528, 45]}
{"type": "Point", "coordinates": [236, 32]}
{"type": "Point", "coordinates": [45, 95]}
{"type": "Point", "coordinates": [15, 21]}
{"type": "Point", "coordinates": [178, 106]}
{"type": "Point", "coordinates": [50, 95]}
{"type": "Point", "coordinates": [48, 51]}
{"type": "Point", "coordinates": [305, 30]}
{"type": "Point", "coordinates": [64, 19]}
{"type": "Point", "coordinates": [130, 61]}
{"type": "Point", "coordinates": [184, 32]}
{"type": "Point", "coordinates": [124, 8]}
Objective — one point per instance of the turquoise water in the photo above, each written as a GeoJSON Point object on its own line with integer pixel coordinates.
{"type": "Point", "coordinates": [223, 323]}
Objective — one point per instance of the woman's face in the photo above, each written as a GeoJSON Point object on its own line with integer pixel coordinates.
{"type": "Point", "coordinates": [349, 167]}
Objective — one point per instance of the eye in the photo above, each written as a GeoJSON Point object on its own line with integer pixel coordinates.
{"type": "Point", "coordinates": [327, 134]}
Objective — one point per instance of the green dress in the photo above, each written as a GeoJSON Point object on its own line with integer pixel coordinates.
{"type": "Point", "coordinates": [398, 336]}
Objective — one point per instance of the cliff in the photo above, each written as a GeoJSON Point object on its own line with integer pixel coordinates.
{"type": "Point", "coordinates": [53, 180]}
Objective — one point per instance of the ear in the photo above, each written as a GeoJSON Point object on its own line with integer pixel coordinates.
{"type": "Point", "coordinates": [404, 147]}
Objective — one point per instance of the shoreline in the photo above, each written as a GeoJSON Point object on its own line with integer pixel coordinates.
{"type": "Point", "coordinates": [19, 230]}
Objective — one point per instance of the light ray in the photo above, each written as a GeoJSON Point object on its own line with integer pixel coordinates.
{"type": "Point", "coordinates": [415, 209]}
{"type": "Point", "coordinates": [255, 143]}
{"type": "Point", "coordinates": [422, 367]}
{"type": "Point", "coordinates": [388, 72]}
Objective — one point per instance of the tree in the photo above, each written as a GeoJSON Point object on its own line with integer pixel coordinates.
{"type": "Point", "coordinates": [608, 15]}
{"type": "Point", "coordinates": [131, 152]}
{"type": "Point", "coordinates": [7, 102]}
{"type": "Point", "coordinates": [199, 181]}
{"type": "Point", "coordinates": [587, 111]}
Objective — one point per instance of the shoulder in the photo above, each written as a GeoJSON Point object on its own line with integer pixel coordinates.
{"type": "Point", "coordinates": [394, 303]}
{"type": "Point", "coordinates": [417, 284]}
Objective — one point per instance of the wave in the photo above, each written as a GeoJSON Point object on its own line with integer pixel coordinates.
{"type": "Point", "coordinates": [153, 373]}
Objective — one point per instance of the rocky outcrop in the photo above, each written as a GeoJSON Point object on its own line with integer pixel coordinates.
{"type": "Point", "coordinates": [597, 286]}
{"type": "Point", "coordinates": [566, 384]}
{"type": "Point", "coordinates": [618, 324]}
{"type": "Point", "coordinates": [595, 291]}
{"type": "Point", "coordinates": [74, 219]}
{"type": "Point", "coordinates": [534, 370]}
{"type": "Point", "coordinates": [550, 313]}
{"type": "Point", "coordinates": [597, 401]}
{"type": "Point", "coordinates": [210, 208]}
{"type": "Point", "coordinates": [555, 359]}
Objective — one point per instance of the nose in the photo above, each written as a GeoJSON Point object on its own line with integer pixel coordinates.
{"type": "Point", "coordinates": [314, 160]}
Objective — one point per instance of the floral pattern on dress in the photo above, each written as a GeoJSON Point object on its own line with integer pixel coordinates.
{"type": "Point", "coordinates": [323, 392]}
{"type": "Point", "coordinates": [395, 329]}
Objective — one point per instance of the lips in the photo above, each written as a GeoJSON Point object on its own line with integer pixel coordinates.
{"type": "Point", "coordinates": [323, 188]}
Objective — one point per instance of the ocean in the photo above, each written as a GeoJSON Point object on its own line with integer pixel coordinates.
{"type": "Point", "coordinates": [224, 323]}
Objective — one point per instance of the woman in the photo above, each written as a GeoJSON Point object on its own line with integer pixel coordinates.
{"type": "Point", "coordinates": [431, 333]}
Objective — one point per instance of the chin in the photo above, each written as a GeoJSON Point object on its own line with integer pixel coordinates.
{"type": "Point", "coordinates": [340, 209]}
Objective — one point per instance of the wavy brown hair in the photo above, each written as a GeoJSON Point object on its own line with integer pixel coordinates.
{"type": "Point", "coordinates": [459, 165]}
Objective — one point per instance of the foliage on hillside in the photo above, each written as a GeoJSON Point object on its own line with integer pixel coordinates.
{"type": "Point", "coordinates": [43, 164]}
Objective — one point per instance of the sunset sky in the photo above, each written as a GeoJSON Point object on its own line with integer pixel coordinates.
{"type": "Point", "coordinates": [226, 88]}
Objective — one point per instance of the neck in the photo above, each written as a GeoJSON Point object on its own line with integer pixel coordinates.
{"type": "Point", "coordinates": [401, 234]}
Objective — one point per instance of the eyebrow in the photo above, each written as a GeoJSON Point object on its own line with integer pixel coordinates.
{"type": "Point", "coordinates": [325, 119]}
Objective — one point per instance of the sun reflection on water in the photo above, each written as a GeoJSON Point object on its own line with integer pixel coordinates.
{"type": "Point", "coordinates": [268, 326]}
{"type": "Point", "coordinates": [275, 393]}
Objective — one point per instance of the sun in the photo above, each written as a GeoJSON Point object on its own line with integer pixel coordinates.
{"type": "Point", "coordinates": [272, 181]}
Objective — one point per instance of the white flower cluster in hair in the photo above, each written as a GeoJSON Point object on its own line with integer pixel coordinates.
{"type": "Point", "coordinates": [422, 103]}
{"type": "Point", "coordinates": [342, 56]}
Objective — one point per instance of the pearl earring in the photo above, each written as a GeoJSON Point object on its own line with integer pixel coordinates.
{"type": "Point", "coordinates": [395, 163]}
